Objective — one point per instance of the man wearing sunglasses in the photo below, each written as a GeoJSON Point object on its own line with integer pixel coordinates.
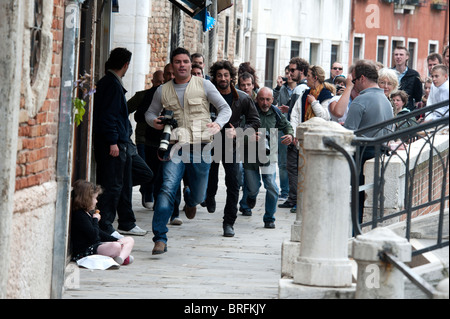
{"type": "Point", "coordinates": [369, 108]}
{"type": "Point", "coordinates": [336, 69]}
{"type": "Point", "coordinates": [298, 70]}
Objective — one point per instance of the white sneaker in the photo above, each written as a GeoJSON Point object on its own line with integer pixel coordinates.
{"type": "Point", "coordinates": [176, 221]}
{"type": "Point", "coordinates": [136, 231]}
{"type": "Point", "coordinates": [116, 235]}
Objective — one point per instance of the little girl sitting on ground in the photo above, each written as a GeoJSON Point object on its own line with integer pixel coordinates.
{"type": "Point", "coordinates": [86, 236]}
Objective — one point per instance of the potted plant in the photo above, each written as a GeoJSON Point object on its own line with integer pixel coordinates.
{"type": "Point", "coordinates": [438, 5]}
{"type": "Point", "coordinates": [87, 88]}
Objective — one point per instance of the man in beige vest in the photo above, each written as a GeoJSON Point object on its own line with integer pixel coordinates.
{"type": "Point", "coordinates": [189, 98]}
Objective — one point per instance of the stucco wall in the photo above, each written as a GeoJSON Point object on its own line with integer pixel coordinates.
{"type": "Point", "coordinates": [31, 254]}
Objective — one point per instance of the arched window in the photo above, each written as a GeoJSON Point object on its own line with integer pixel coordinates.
{"type": "Point", "coordinates": [35, 41]}
{"type": "Point", "coordinates": [37, 53]}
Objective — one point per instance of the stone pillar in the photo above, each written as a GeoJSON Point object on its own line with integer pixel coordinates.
{"type": "Point", "coordinates": [291, 248]}
{"type": "Point", "coordinates": [11, 51]}
{"type": "Point", "coordinates": [323, 260]}
{"type": "Point", "coordinates": [442, 290]}
{"type": "Point", "coordinates": [376, 279]}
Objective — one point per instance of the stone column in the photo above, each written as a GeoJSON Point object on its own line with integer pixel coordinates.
{"type": "Point", "coordinates": [11, 51]}
{"type": "Point", "coordinates": [291, 248]}
{"type": "Point", "coordinates": [442, 290]}
{"type": "Point", "coordinates": [376, 279]}
{"type": "Point", "coordinates": [323, 260]}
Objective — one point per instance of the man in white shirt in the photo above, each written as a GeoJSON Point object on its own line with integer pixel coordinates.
{"type": "Point", "coordinates": [439, 92]}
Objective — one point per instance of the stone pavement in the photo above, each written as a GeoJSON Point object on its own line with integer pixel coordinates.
{"type": "Point", "coordinates": [200, 262]}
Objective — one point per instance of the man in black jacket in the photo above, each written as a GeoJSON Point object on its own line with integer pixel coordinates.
{"type": "Point", "coordinates": [113, 148]}
{"type": "Point", "coordinates": [409, 79]}
{"type": "Point", "coordinates": [245, 115]}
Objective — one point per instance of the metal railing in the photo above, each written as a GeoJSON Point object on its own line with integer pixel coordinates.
{"type": "Point", "coordinates": [394, 146]}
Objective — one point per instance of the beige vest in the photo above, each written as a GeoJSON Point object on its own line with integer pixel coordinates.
{"type": "Point", "coordinates": [192, 119]}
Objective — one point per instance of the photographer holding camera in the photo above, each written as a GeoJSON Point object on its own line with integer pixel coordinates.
{"type": "Point", "coordinates": [271, 120]}
{"type": "Point", "coordinates": [189, 98]}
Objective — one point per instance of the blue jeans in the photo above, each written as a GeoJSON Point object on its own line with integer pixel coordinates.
{"type": "Point", "coordinates": [252, 185]}
{"type": "Point", "coordinates": [196, 166]}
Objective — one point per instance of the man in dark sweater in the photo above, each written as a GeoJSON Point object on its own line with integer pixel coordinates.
{"type": "Point", "coordinates": [409, 79]}
{"type": "Point", "coordinates": [113, 148]}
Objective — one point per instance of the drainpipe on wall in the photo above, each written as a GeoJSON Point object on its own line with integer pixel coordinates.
{"type": "Point", "coordinates": [351, 31]}
{"type": "Point", "coordinates": [64, 151]}
{"type": "Point", "coordinates": [212, 37]}
{"type": "Point", "coordinates": [445, 42]}
{"type": "Point", "coordinates": [11, 39]}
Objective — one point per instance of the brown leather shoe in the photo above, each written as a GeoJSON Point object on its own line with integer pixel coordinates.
{"type": "Point", "coordinates": [160, 248]}
{"type": "Point", "coordinates": [190, 212]}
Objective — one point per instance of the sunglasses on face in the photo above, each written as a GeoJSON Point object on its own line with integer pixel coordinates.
{"type": "Point", "coordinates": [292, 70]}
{"type": "Point", "coordinates": [354, 80]}
{"type": "Point", "coordinates": [340, 69]}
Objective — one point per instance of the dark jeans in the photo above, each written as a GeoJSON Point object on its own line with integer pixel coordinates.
{"type": "Point", "coordinates": [140, 174]}
{"type": "Point", "coordinates": [232, 175]}
{"type": "Point", "coordinates": [114, 174]}
{"type": "Point", "coordinates": [292, 169]}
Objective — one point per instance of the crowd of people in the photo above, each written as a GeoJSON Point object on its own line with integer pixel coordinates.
{"type": "Point", "coordinates": [189, 122]}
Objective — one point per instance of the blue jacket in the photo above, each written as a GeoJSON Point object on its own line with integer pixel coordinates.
{"type": "Point", "coordinates": [111, 123]}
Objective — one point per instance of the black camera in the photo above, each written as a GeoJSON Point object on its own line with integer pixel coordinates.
{"type": "Point", "coordinates": [284, 79]}
{"type": "Point", "coordinates": [169, 124]}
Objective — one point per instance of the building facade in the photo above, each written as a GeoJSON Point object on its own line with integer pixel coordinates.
{"type": "Point", "coordinates": [381, 25]}
{"type": "Point", "coordinates": [316, 30]}
{"type": "Point", "coordinates": [45, 47]}
{"type": "Point", "coordinates": [166, 28]}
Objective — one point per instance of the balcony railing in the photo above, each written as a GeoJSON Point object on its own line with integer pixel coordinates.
{"type": "Point", "coordinates": [422, 153]}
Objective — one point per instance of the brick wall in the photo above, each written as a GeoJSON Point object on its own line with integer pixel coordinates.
{"type": "Point", "coordinates": [36, 157]}
{"type": "Point", "coordinates": [421, 184]}
{"type": "Point", "coordinates": [193, 35]}
{"type": "Point", "coordinates": [158, 34]}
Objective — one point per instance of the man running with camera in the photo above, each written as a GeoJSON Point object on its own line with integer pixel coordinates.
{"type": "Point", "coordinates": [189, 98]}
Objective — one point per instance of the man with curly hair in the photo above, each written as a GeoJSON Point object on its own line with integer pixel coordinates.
{"type": "Point", "coordinates": [223, 76]}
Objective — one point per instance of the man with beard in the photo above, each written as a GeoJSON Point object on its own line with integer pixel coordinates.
{"type": "Point", "coordinates": [264, 168]}
{"type": "Point", "coordinates": [223, 75]}
{"type": "Point", "coordinates": [298, 70]}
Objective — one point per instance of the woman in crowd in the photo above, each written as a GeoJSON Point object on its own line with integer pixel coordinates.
{"type": "Point", "coordinates": [315, 100]}
{"type": "Point", "coordinates": [388, 81]}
